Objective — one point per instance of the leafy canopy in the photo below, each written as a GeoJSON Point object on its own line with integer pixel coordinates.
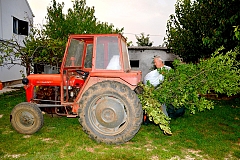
{"type": "Point", "coordinates": [143, 40]}
{"type": "Point", "coordinates": [199, 27]}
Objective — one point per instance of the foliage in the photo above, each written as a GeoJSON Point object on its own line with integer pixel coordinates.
{"type": "Point", "coordinates": [44, 49]}
{"type": "Point", "coordinates": [185, 85]}
{"type": "Point", "coordinates": [237, 32]}
{"type": "Point", "coordinates": [129, 43]}
{"type": "Point", "coordinates": [199, 27]}
{"type": "Point", "coordinates": [151, 106]}
{"type": "Point", "coordinates": [143, 41]}
{"type": "Point", "coordinates": [13, 53]}
{"type": "Point", "coordinates": [47, 45]}
{"type": "Point", "coordinates": [80, 19]}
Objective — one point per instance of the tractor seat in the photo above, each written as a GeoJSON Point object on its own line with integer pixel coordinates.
{"type": "Point", "coordinates": [114, 63]}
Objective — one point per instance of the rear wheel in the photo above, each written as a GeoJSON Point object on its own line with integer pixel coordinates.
{"type": "Point", "coordinates": [110, 112]}
{"type": "Point", "coordinates": [26, 118]}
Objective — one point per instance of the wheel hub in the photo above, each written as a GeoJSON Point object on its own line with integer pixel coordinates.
{"type": "Point", "coordinates": [26, 119]}
{"type": "Point", "coordinates": [110, 112]}
{"type": "Point", "coordinates": [108, 115]}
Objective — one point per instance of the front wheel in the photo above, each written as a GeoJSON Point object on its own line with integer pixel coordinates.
{"type": "Point", "coordinates": [26, 118]}
{"type": "Point", "coordinates": [110, 112]}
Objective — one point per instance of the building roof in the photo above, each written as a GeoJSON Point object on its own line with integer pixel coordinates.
{"type": "Point", "coordinates": [147, 48]}
{"type": "Point", "coordinates": [30, 8]}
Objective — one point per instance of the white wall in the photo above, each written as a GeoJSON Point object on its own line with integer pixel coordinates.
{"type": "Point", "coordinates": [21, 10]}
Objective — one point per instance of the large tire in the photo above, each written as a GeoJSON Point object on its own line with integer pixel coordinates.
{"type": "Point", "coordinates": [26, 118]}
{"type": "Point", "coordinates": [110, 112]}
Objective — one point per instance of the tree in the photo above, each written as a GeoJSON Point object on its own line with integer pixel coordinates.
{"type": "Point", "coordinates": [13, 53]}
{"type": "Point", "coordinates": [143, 41]}
{"type": "Point", "coordinates": [78, 20]}
{"type": "Point", "coordinates": [199, 27]}
{"type": "Point", "coordinates": [47, 45]}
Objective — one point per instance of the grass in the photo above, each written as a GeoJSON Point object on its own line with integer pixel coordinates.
{"type": "Point", "coordinates": [213, 134]}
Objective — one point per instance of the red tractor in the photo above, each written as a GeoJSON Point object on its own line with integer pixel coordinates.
{"type": "Point", "coordinates": [95, 83]}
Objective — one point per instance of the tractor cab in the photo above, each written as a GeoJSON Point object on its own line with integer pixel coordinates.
{"type": "Point", "coordinates": [96, 52]}
{"type": "Point", "coordinates": [89, 56]}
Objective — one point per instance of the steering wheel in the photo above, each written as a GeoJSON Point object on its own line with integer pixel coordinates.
{"type": "Point", "coordinates": [83, 73]}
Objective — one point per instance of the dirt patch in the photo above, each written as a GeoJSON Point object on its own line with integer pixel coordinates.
{"type": "Point", "coordinates": [187, 157]}
{"type": "Point", "coordinates": [229, 156]}
{"type": "Point", "coordinates": [129, 143]}
{"type": "Point", "coordinates": [149, 147]}
{"type": "Point", "coordinates": [165, 150]}
{"type": "Point", "coordinates": [90, 150]}
{"type": "Point", "coordinates": [195, 153]}
{"type": "Point", "coordinates": [154, 158]}
{"type": "Point", "coordinates": [7, 132]}
{"type": "Point", "coordinates": [118, 147]}
{"type": "Point", "coordinates": [135, 148]}
{"type": "Point", "coordinates": [191, 155]}
{"type": "Point", "coordinates": [175, 158]}
{"type": "Point", "coordinates": [15, 155]}
{"type": "Point", "coordinates": [48, 140]}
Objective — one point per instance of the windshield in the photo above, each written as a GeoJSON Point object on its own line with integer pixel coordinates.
{"type": "Point", "coordinates": [75, 52]}
{"type": "Point", "coordinates": [108, 53]}
{"type": "Point", "coordinates": [88, 58]}
{"type": "Point", "coordinates": [125, 56]}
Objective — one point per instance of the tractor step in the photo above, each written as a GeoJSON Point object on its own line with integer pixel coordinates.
{"type": "Point", "coordinates": [71, 116]}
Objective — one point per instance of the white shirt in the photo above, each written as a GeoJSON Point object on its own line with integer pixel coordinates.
{"type": "Point", "coordinates": [154, 77]}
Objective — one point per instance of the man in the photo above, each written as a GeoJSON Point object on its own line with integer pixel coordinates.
{"type": "Point", "coordinates": [155, 78]}
{"type": "Point", "coordinates": [158, 62]}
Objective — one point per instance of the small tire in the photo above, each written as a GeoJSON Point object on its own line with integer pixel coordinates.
{"type": "Point", "coordinates": [26, 118]}
{"type": "Point", "coordinates": [110, 112]}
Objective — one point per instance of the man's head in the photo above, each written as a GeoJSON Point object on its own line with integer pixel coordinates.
{"type": "Point", "coordinates": [158, 62]}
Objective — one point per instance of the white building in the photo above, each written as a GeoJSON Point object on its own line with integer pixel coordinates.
{"type": "Point", "coordinates": [16, 19]}
{"type": "Point", "coordinates": [141, 57]}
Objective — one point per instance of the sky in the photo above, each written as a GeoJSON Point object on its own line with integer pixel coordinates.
{"type": "Point", "coordinates": [135, 16]}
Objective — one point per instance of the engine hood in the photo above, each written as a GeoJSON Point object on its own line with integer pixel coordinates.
{"type": "Point", "coordinates": [45, 79]}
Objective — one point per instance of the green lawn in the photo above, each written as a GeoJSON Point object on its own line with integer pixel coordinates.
{"type": "Point", "coordinates": [213, 134]}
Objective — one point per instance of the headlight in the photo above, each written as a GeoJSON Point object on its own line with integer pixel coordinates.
{"type": "Point", "coordinates": [25, 81]}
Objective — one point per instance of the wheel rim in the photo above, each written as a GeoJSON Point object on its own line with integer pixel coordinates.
{"type": "Point", "coordinates": [108, 115]}
{"type": "Point", "coordinates": [25, 119]}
